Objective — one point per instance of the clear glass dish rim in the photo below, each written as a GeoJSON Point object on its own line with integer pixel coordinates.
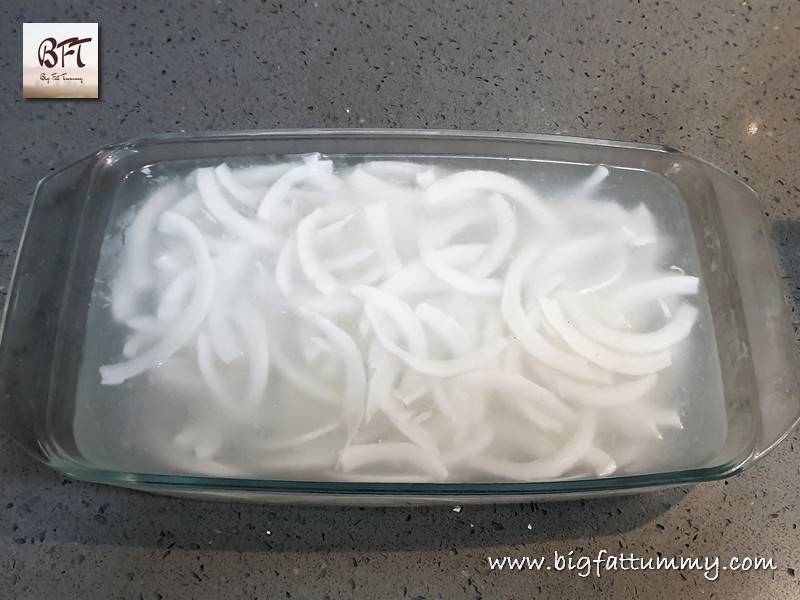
{"type": "Point", "coordinates": [482, 489]}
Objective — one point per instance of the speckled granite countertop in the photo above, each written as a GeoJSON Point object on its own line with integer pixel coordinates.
{"type": "Point", "coordinates": [718, 79]}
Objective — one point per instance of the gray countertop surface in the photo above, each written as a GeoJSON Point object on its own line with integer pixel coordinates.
{"type": "Point", "coordinates": [718, 79]}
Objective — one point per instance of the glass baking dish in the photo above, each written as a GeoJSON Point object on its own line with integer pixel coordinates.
{"type": "Point", "coordinates": [64, 250]}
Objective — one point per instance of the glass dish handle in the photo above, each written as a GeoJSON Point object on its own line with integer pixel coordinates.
{"type": "Point", "coordinates": [765, 311]}
{"type": "Point", "coordinates": [31, 317]}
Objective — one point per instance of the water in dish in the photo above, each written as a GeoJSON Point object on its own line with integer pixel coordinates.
{"type": "Point", "coordinates": [408, 320]}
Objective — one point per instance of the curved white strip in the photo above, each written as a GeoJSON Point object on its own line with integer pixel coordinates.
{"type": "Point", "coordinates": [669, 286]}
{"type": "Point", "coordinates": [448, 329]}
{"type": "Point", "coordinates": [533, 342]}
{"type": "Point", "coordinates": [240, 192]}
{"type": "Point", "coordinates": [664, 338]}
{"type": "Point", "coordinates": [186, 325]}
{"type": "Point", "coordinates": [247, 230]}
{"type": "Point", "coordinates": [355, 376]}
{"type": "Point", "coordinates": [546, 468]}
{"type": "Point", "coordinates": [135, 274]}
{"type": "Point", "coordinates": [608, 396]}
{"type": "Point", "coordinates": [311, 264]}
{"type": "Point", "coordinates": [627, 364]}
{"type": "Point", "coordinates": [380, 234]}
{"type": "Point", "coordinates": [399, 312]}
{"type": "Point", "coordinates": [492, 181]}
{"type": "Point", "coordinates": [253, 329]}
{"type": "Point", "coordinates": [312, 170]}
{"type": "Point", "coordinates": [526, 395]}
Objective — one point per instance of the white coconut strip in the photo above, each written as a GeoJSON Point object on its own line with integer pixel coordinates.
{"type": "Point", "coordinates": [409, 383]}
{"type": "Point", "coordinates": [168, 264]}
{"type": "Point", "coordinates": [135, 274]}
{"type": "Point", "coordinates": [235, 188]}
{"type": "Point", "coordinates": [666, 417]}
{"type": "Point", "coordinates": [372, 186]}
{"type": "Point", "coordinates": [189, 205]}
{"type": "Point", "coordinates": [395, 454]}
{"type": "Point", "coordinates": [493, 326]}
{"type": "Point", "coordinates": [444, 231]}
{"type": "Point", "coordinates": [499, 249]}
{"type": "Point", "coordinates": [439, 368]}
{"type": "Point", "coordinates": [137, 342]}
{"type": "Point", "coordinates": [313, 170]}
{"type": "Point", "coordinates": [491, 181]}
{"type": "Point", "coordinates": [512, 358]}
{"type": "Point", "coordinates": [311, 264]}
{"type": "Point", "coordinates": [569, 257]}
{"type": "Point", "coordinates": [416, 278]}
{"type": "Point", "coordinates": [522, 393]}
{"type": "Point", "coordinates": [446, 328]}
{"type": "Point", "coordinates": [644, 226]}
{"type": "Point", "coordinates": [422, 417]}
{"type": "Point", "coordinates": [619, 362]}
{"type": "Point", "coordinates": [253, 329]}
{"type": "Point", "coordinates": [223, 339]}
{"type": "Point", "coordinates": [335, 227]}
{"type": "Point", "coordinates": [443, 401]}
{"type": "Point", "coordinates": [538, 287]}
{"type": "Point", "coordinates": [145, 324]}
{"type": "Point", "coordinates": [176, 296]}
{"type": "Point", "coordinates": [297, 376]}
{"type": "Point", "coordinates": [385, 371]}
{"type": "Point", "coordinates": [230, 265]}
{"type": "Point", "coordinates": [412, 431]}
{"type": "Point", "coordinates": [480, 441]}
{"type": "Point", "coordinates": [211, 376]}
{"type": "Point", "coordinates": [355, 376]}
{"type": "Point", "coordinates": [369, 277]}
{"type": "Point", "coordinates": [525, 332]}
{"type": "Point", "coordinates": [613, 272]}
{"type": "Point", "coordinates": [545, 468]}
{"type": "Point", "coordinates": [184, 327]}
{"type": "Point", "coordinates": [413, 396]}
{"type": "Point", "coordinates": [600, 462]}
{"type": "Point", "coordinates": [274, 445]}
{"type": "Point", "coordinates": [331, 306]}
{"type": "Point", "coordinates": [668, 336]}
{"type": "Point", "coordinates": [425, 178]}
{"type": "Point", "coordinates": [669, 286]}
{"type": "Point", "coordinates": [348, 261]}
{"type": "Point", "coordinates": [608, 396]}
{"type": "Point", "coordinates": [592, 182]}
{"type": "Point", "coordinates": [261, 175]}
{"type": "Point", "coordinates": [235, 223]}
{"type": "Point", "coordinates": [521, 440]}
{"type": "Point", "coordinates": [283, 266]}
{"type": "Point", "coordinates": [471, 413]}
{"type": "Point", "coordinates": [638, 224]}
{"type": "Point", "coordinates": [316, 348]}
{"type": "Point", "coordinates": [466, 284]}
{"type": "Point", "coordinates": [264, 286]}
{"type": "Point", "coordinates": [398, 311]}
{"type": "Point", "coordinates": [380, 234]}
